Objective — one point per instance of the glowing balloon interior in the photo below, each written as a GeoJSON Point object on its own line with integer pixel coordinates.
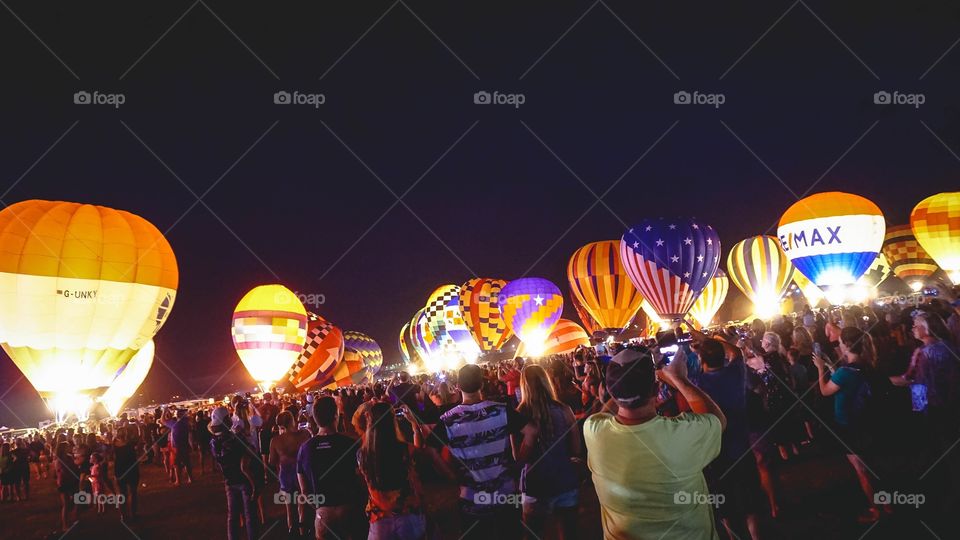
{"type": "Point", "coordinates": [936, 224]}
{"type": "Point", "coordinates": [129, 380]}
{"type": "Point", "coordinates": [531, 308]}
{"type": "Point", "coordinates": [269, 329]}
{"type": "Point", "coordinates": [600, 284]}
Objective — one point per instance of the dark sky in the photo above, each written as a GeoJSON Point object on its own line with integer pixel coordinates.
{"type": "Point", "coordinates": [297, 194]}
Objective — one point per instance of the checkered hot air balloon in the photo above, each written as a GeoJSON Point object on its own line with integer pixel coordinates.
{"type": "Point", "coordinates": [367, 348]}
{"type": "Point", "coordinates": [564, 339]}
{"type": "Point", "coordinates": [670, 261]}
{"type": "Point", "coordinates": [599, 282]}
{"type": "Point", "coordinates": [446, 322]}
{"type": "Point", "coordinates": [832, 238]}
{"type": "Point", "coordinates": [321, 354]}
{"type": "Point", "coordinates": [481, 312]}
{"type": "Point", "coordinates": [531, 308]}
{"type": "Point", "coordinates": [907, 258]}
{"type": "Point", "coordinates": [269, 329]}
{"type": "Point", "coordinates": [759, 267]}
{"type": "Point", "coordinates": [936, 224]}
{"type": "Point", "coordinates": [712, 297]}
{"type": "Point", "coordinates": [878, 271]}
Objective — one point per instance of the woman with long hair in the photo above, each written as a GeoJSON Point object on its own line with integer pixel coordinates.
{"type": "Point", "coordinates": [386, 463]}
{"type": "Point", "coordinates": [849, 384]}
{"type": "Point", "coordinates": [550, 480]}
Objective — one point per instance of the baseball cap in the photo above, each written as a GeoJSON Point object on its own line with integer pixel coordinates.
{"type": "Point", "coordinates": [219, 416]}
{"type": "Point", "coordinates": [631, 377]}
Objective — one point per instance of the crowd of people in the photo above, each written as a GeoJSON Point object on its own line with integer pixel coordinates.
{"type": "Point", "coordinates": [680, 437]}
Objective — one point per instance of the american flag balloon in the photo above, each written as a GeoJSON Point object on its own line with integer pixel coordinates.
{"type": "Point", "coordinates": [670, 261]}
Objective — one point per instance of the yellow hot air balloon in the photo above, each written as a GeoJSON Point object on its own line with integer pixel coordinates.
{"type": "Point", "coordinates": [600, 284]}
{"type": "Point", "coordinates": [129, 380]}
{"type": "Point", "coordinates": [907, 257]}
{"type": "Point", "coordinates": [82, 289]}
{"type": "Point", "coordinates": [269, 330]}
{"type": "Point", "coordinates": [711, 299]}
{"type": "Point", "coordinates": [936, 224]}
{"type": "Point", "coordinates": [759, 267]}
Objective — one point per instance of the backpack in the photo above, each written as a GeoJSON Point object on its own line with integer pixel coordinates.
{"type": "Point", "coordinates": [863, 407]}
{"type": "Point", "coordinates": [226, 452]}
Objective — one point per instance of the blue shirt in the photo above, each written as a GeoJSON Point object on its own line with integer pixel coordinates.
{"type": "Point", "coordinates": [728, 388]}
{"type": "Point", "coordinates": [849, 380]}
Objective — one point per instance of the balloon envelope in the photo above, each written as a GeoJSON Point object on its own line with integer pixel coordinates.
{"type": "Point", "coordinates": [907, 258]}
{"type": "Point", "coordinates": [366, 347]}
{"type": "Point", "coordinates": [129, 380]}
{"type": "Point", "coordinates": [832, 238]}
{"type": "Point", "coordinates": [82, 288]}
{"type": "Point", "coordinates": [564, 339]}
{"type": "Point", "coordinates": [531, 308]}
{"type": "Point", "coordinates": [759, 267]}
{"type": "Point", "coordinates": [479, 305]}
{"type": "Point", "coordinates": [712, 297]}
{"type": "Point", "coordinates": [600, 284]}
{"type": "Point", "coordinates": [936, 224]}
{"type": "Point", "coordinates": [670, 261]}
{"type": "Point", "coordinates": [320, 354]}
{"type": "Point", "coordinates": [269, 329]}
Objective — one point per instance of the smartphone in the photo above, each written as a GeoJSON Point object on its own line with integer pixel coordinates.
{"type": "Point", "coordinates": [817, 349]}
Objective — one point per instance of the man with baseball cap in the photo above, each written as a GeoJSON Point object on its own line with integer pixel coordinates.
{"type": "Point", "coordinates": [648, 469]}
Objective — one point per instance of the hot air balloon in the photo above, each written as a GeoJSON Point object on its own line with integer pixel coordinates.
{"type": "Point", "coordinates": [600, 283]}
{"type": "Point", "coordinates": [269, 330]}
{"type": "Point", "coordinates": [531, 308]}
{"type": "Point", "coordinates": [455, 343]}
{"type": "Point", "coordinates": [654, 322]}
{"type": "Point", "coordinates": [832, 238]}
{"type": "Point", "coordinates": [478, 304]}
{"type": "Point", "coordinates": [564, 339]}
{"type": "Point", "coordinates": [319, 355]}
{"type": "Point", "coordinates": [416, 335]}
{"type": "Point", "coordinates": [589, 323]}
{"type": "Point", "coordinates": [129, 380]}
{"type": "Point", "coordinates": [759, 267]}
{"type": "Point", "coordinates": [811, 292]}
{"type": "Point", "coordinates": [83, 288]}
{"type": "Point", "coordinates": [909, 261]}
{"type": "Point", "coordinates": [348, 372]}
{"type": "Point", "coordinates": [402, 343]}
{"type": "Point", "coordinates": [367, 348]}
{"type": "Point", "coordinates": [712, 297]}
{"type": "Point", "coordinates": [876, 274]}
{"type": "Point", "coordinates": [670, 261]}
{"type": "Point", "coordinates": [936, 224]}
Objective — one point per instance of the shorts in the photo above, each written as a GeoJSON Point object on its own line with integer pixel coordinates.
{"type": "Point", "coordinates": [548, 505]}
{"type": "Point", "coordinates": [288, 478]}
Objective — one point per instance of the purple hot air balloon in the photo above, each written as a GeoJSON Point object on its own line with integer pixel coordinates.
{"type": "Point", "coordinates": [670, 261]}
{"type": "Point", "coordinates": [531, 308]}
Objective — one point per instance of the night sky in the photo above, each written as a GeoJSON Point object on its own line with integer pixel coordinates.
{"type": "Point", "coordinates": [308, 197]}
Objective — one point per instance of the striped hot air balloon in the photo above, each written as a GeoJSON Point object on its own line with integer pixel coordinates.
{"type": "Point", "coordinates": [564, 339]}
{"type": "Point", "coordinates": [366, 347]}
{"type": "Point", "coordinates": [589, 323]}
{"type": "Point", "coordinates": [832, 238]}
{"type": "Point", "coordinates": [269, 329]}
{"type": "Point", "coordinates": [810, 291]}
{"type": "Point", "coordinates": [936, 224]}
{"type": "Point", "coordinates": [670, 261]}
{"type": "Point", "coordinates": [600, 283]}
{"type": "Point", "coordinates": [402, 343]}
{"type": "Point", "coordinates": [82, 288]}
{"type": "Point", "coordinates": [531, 308]}
{"type": "Point", "coordinates": [481, 311]}
{"type": "Point", "coordinates": [759, 267]}
{"type": "Point", "coordinates": [712, 297]}
{"type": "Point", "coordinates": [416, 335]}
{"type": "Point", "coordinates": [908, 260]}
{"type": "Point", "coordinates": [349, 371]}
{"type": "Point", "coordinates": [321, 353]}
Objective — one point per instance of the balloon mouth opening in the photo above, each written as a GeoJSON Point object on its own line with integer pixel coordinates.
{"type": "Point", "coordinates": [915, 286]}
{"type": "Point", "coordinates": [65, 404]}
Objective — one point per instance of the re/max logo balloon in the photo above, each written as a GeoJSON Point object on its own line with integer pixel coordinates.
{"type": "Point", "coordinates": [799, 239]}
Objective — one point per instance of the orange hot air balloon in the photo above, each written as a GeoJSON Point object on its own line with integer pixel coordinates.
{"type": "Point", "coordinates": [479, 304]}
{"type": "Point", "coordinates": [82, 288]}
{"type": "Point", "coordinates": [936, 224]}
{"type": "Point", "coordinates": [600, 283]}
{"type": "Point", "coordinates": [591, 325]}
{"type": "Point", "coordinates": [564, 339]}
{"type": "Point", "coordinates": [909, 261]}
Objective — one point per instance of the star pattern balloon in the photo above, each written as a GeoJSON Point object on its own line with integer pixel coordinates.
{"type": "Point", "coordinates": [670, 261]}
{"type": "Point", "coordinates": [531, 308]}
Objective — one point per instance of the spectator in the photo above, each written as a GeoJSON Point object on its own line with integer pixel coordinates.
{"type": "Point", "coordinates": [234, 455]}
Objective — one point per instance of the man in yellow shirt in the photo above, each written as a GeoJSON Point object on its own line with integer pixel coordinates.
{"type": "Point", "coordinates": [648, 469]}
